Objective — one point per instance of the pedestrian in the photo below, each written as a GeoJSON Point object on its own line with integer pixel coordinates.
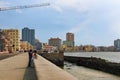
{"type": "Point", "coordinates": [30, 53]}
{"type": "Point", "coordinates": [34, 55]}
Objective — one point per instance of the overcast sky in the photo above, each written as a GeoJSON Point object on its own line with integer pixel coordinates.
{"type": "Point", "coordinates": [95, 22]}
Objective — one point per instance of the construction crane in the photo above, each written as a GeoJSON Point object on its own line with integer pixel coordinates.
{"type": "Point", "coordinates": [22, 7]}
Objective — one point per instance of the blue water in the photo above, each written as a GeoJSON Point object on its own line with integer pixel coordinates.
{"type": "Point", "coordinates": [110, 56]}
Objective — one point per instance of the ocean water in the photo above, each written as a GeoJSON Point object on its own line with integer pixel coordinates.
{"type": "Point", "coordinates": [110, 56]}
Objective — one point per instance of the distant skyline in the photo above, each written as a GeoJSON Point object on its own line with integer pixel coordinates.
{"type": "Point", "coordinates": [95, 22]}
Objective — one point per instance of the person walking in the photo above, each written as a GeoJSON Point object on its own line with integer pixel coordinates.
{"type": "Point", "coordinates": [30, 53]}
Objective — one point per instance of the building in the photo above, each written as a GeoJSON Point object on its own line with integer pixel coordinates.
{"type": "Point", "coordinates": [69, 37]}
{"type": "Point", "coordinates": [117, 44]}
{"type": "Point", "coordinates": [88, 48]}
{"type": "Point", "coordinates": [48, 49]}
{"type": "Point", "coordinates": [28, 35]}
{"type": "Point", "coordinates": [25, 46]}
{"type": "Point", "coordinates": [2, 41]}
{"type": "Point", "coordinates": [111, 48]}
{"type": "Point", "coordinates": [70, 40]}
{"type": "Point", "coordinates": [38, 44]}
{"type": "Point", "coordinates": [13, 37]}
{"type": "Point", "coordinates": [5, 42]}
{"type": "Point", "coordinates": [69, 43]}
{"type": "Point", "coordinates": [55, 42]}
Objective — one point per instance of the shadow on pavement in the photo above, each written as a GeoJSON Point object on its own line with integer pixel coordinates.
{"type": "Point", "coordinates": [4, 56]}
{"type": "Point", "coordinates": [30, 74]}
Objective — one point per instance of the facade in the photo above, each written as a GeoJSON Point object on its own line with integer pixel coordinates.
{"type": "Point", "coordinates": [69, 37]}
{"type": "Point", "coordinates": [69, 43]}
{"type": "Point", "coordinates": [28, 35]}
{"type": "Point", "coordinates": [117, 44]}
{"type": "Point", "coordinates": [13, 37]}
{"type": "Point", "coordinates": [88, 48]}
{"type": "Point", "coordinates": [25, 46]}
{"type": "Point", "coordinates": [55, 42]}
{"type": "Point", "coordinates": [5, 42]}
{"type": "Point", "coordinates": [38, 44]}
{"type": "Point", "coordinates": [49, 49]}
{"type": "Point", "coordinates": [2, 42]}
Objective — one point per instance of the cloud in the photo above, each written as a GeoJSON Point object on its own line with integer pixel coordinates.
{"type": "Point", "coordinates": [4, 3]}
{"type": "Point", "coordinates": [112, 17]}
{"type": "Point", "coordinates": [115, 28]}
{"type": "Point", "coordinates": [75, 29]}
{"type": "Point", "coordinates": [65, 4]}
{"type": "Point", "coordinates": [77, 5]}
{"type": "Point", "coordinates": [80, 27]}
{"type": "Point", "coordinates": [99, 11]}
{"type": "Point", "coordinates": [19, 11]}
{"type": "Point", "coordinates": [104, 12]}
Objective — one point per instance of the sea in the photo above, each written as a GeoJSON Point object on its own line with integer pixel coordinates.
{"type": "Point", "coordinates": [110, 56]}
{"type": "Point", "coordinates": [83, 73]}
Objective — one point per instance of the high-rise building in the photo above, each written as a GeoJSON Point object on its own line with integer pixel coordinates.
{"type": "Point", "coordinates": [70, 37]}
{"type": "Point", "coordinates": [117, 44]}
{"type": "Point", "coordinates": [14, 38]}
{"type": "Point", "coordinates": [69, 43]}
{"type": "Point", "coordinates": [28, 35]}
{"type": "Point", "coordinates": [55, 42]}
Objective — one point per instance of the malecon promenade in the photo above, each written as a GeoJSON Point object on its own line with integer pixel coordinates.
{"type": "Point", "coordinates": [15, 68]}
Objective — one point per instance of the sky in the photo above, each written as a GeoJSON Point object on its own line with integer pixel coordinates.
{"type": "Point", "coordinates": [93, 22]}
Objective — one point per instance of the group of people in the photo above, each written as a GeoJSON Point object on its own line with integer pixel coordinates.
{"type": "Point", "coordinates": [32, 55]}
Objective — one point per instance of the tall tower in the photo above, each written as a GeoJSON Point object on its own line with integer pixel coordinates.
{"type": "Point", "coordinates": [69, 37]}
{"type": "Point", "coordinates": [28, 35]}
{"type": "Point", "coordinates": [69, 43]}
{"type": "Point", "coordinates": [70, 40]}
{"type": "Point", "coordinates": [117, 44]}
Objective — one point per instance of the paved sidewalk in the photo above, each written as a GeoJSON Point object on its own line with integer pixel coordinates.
{"type": "Point", "coordinates": [15, 68]}
{"type": "Point", "coordinates": [7, 55]}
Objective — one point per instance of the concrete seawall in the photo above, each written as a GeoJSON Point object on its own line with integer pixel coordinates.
{"type": "Point", "coordinates": [95, 63]}
{"type": "Point", "coordinates": [48, 71]}
{"type": "Point", "coordinates": [56, 58]}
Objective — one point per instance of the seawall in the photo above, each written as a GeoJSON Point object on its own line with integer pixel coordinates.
{"type": "Point", "coordinates": [56, 58]}
{"type": "Point", "coordinates": [46, 70]}
{"type": "Point", "coordinates": [95, 63]}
